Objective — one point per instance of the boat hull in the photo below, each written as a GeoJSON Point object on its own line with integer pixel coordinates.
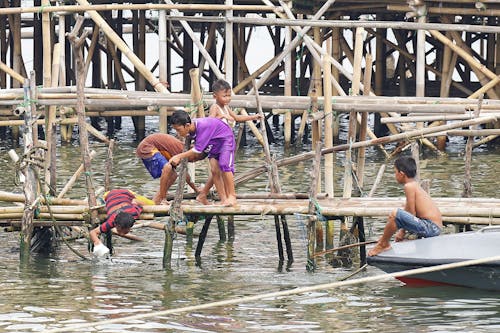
{"type": "Point", "coordinates": [446, 249]}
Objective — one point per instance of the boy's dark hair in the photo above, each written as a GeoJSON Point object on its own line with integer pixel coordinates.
{"type": "Point", "coordinates": [180, 117]}
{"type": "Point", "coordinates": [407, 165]}
{"type": "Point", "coordinates": [124, 220]}
{"type": "Point", "coordinates": [219, 85]}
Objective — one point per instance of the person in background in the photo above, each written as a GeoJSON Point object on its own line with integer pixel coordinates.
{"type": "Point", "coordinates": [420, 214]}
{"type": "Point", "coordinates": [215, 138]}
{"type": "Point", "coordinates": [155, 151]}
{"type": "Point", "coordinates": [123, 207]}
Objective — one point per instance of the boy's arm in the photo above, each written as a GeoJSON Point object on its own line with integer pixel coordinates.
{"type": "Point", "coordinates": [176, 159]}
{"type": "Point", "coordinates": [94, 235]}
{"type": "Point", "coordinates": [241, 118]}
{"type": "Point", "coordinates": [411, 195]}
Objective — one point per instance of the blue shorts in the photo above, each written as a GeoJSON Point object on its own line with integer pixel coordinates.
{"type": "Point", "coordinates": [421, 227]}
{"type": "Point", "coordinates": [155, 164]}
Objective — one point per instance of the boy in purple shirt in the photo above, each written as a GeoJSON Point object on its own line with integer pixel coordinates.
{"type": "Point", "coordinates": [215, 138]}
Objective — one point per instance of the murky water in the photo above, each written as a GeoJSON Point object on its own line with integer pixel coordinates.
{"type": "Point", "coordinates": [62, 289]}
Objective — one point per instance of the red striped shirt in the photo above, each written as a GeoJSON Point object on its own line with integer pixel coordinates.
{"type": "Point", "coordinates": [119, 200]}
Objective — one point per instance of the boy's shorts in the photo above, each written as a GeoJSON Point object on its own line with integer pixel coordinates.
{"type": "Point", "coordinates": [225, 156]}
{"type": "Point", "coordinates": [225, 159]}
{"type": "Point", "coordinates": [421, 227]}
{"type": "Point", "coordinates": [155, 164]}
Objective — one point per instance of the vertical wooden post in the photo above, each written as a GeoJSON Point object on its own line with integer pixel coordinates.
{"type": "Point", "coordinates": [30, 183]}
{"type": "Point", "coordinates": [77, 44]}
{"type": "Point", "coordinates": [162, 63]}
{"type": "Point", "coordinates": [363, 127]}
{"type": "Point", "coordinates": [447, 73]}
{"type": "Point", "coordinates": [273, 176]}
{"type": "Point", "coordinates": [109, 166]}
{"type": "Point", "coordinates": [336, 53]}
{"type": "Point", "coordinates": [50, 129]}
{"type": "Point", "coordinates": [380, 67]}
{"type": "Point", "coordinates": [316, 125]}
{"type": "Point", "coordinates": [47, 45]}
{"type": "Point", "coordinates": [311, 222]}
{"type": "Point", "coordinates": [328, 123]}
{"type": "Point", "coordinates": [229, 44]}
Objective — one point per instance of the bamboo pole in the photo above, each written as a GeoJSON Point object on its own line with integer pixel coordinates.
{"type": "Point", "coordinates": [328, 125]}
{"type": "Point", "coordinates": [195, 39]}
{"type": "Point", "coordinates": [132, 7]}
{"type": "Point", "coordinates": [77, 43]}
{"type": "Point", "coordinates": [311, 209]}
{"type": "Point", "coordinates": [293, 44]}
{"type": "Point", "coordinates": [30, 183]}
{"type": "Point", "coordinates": [478, 68]}
{"type": "Point", "coordinates": [16, 76]}
{"type": "Point", "coordinates": [347, 24]}
{"type": "Point", "coordinates": [175, 210]}
{"type": "Point", "coordinates": [382, 140]}
{"type": "Point", "coordinates": [448, 11]}
{"type": "Point", "coordinates": [228, 42]}
{"type": "Point", "coordinates": [108, 165]}
{"type": "Point", "coordinates": [47, 45]}
{"type": "Point", "coordinates": [162, 64]}
{"type": "Point", "coordinates": [50, 129]}
{"type": "Point", "coordinates": [363, 124]}
{"type": "Point", "coordinates": [109, 32]}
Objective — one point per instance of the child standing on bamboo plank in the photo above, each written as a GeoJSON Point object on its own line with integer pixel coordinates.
{"type": "Point", "coordinates": [420, 215]}
{"type": "Point", "coordinates": [215, 138]}
{"type": "Point", "coordinates": [155, 151]}
{"type": "Point", "coordinates": [220, 109]}
{"type": "Point", "coordinates": [123, 207]}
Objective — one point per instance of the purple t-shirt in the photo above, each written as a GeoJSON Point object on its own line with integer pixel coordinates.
{"type": "Point", "coordinates": [212, 136]}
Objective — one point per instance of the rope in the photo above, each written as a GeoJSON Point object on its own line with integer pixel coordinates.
{"type": "Point", "coordinates": [246, 299]}
{"type": "Point", "coordinates": [56, 227]}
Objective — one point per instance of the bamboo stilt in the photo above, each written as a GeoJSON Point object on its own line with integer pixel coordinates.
{"type": "Point", "coordinates": [30, 184]}
{"type": "Point", "coordinates": [77, 42]}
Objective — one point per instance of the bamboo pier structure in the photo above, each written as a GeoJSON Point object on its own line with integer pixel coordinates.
{"type": "Point", "coordinates": [416, 71]}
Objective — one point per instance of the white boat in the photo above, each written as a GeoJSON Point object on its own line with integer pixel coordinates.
{"type": "Point", "coordinates": [445, 249]}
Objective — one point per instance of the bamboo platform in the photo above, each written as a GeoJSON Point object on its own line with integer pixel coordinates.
{"type": "Point", "coordinates": [480, 211]}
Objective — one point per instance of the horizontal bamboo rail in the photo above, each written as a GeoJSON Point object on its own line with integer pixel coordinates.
{"type": "Point", "coordinates": [97, 7]}
{"type": "Point", "coordinates": [479, 210]}
{"type": "Point", "coordinates": [398, 25]}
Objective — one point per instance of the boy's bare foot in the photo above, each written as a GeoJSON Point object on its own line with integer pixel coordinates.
{"type": "Point", "coordinates": [378, 249]}
{"type": "Point", "coordinates": [202, 198]}
{"type": "Point", "coordinates": [231, 201]}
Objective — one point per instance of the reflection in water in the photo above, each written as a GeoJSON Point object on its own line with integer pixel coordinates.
{"type": "Point", "coordinates": [61, 289]}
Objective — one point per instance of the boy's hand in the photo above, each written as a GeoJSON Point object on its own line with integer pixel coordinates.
{"type": "Point", "coordinates": [258, 116]}
{"type": "Point", "coordinates": [100, 250]}
{"type": "Point", "coordinates": [174, 160]}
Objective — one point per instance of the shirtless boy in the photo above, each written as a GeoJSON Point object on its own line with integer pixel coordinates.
{"type": "Point", "coordinates": [420, 215]}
